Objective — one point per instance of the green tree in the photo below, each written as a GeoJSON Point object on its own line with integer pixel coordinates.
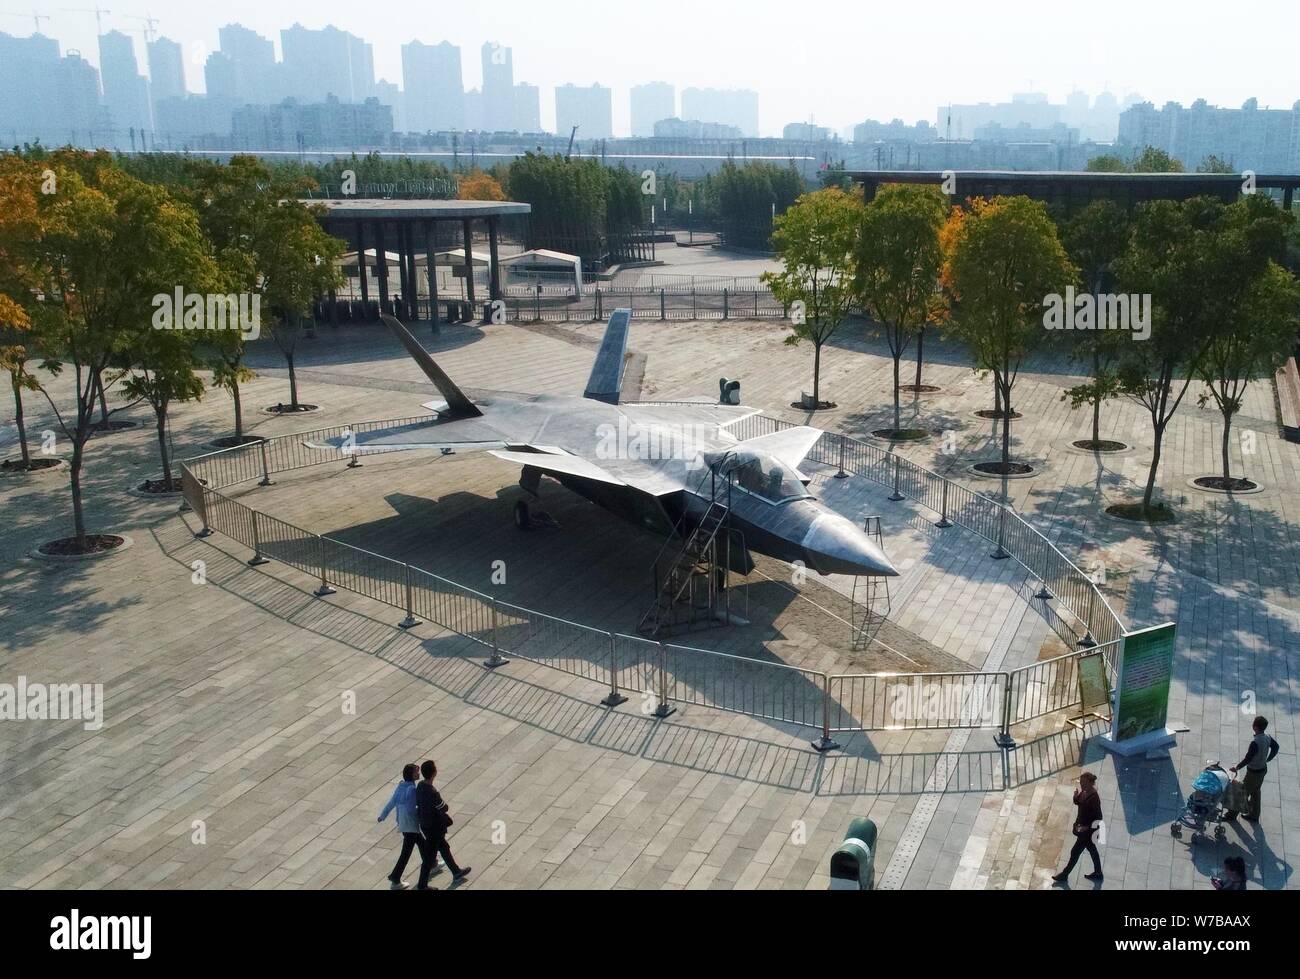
{"type": "Point", "coordinates": [1154, 160]}
{"type": "Point", "coordinates": [898, 259]}
{"type": "Point", "coordinates": [1004, 260]}
{"type": "Point", "coordinates": [164, 376]}
{"type": "Point", "coordinates": [1215, 164]}
{"type": "Point", "coordinates": [1198, 260]}
{"type": "Point", "coordinates": [20, 227]}
{"type": "Point", "coordinates": [815, 240]}
{"type": "Point", "coordinates": [1107, 163]}
{"type": "Point", "coordinates": [111, 243]}
{"type": "Point", "coordinates": [1095, 238]}
{"type": "Point", "coordinates": [1253, 344]}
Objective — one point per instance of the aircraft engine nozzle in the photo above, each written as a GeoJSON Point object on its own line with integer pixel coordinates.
{"type": "Point", "coordinates": [836, 545]}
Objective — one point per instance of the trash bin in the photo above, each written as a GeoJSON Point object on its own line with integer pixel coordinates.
{"type": "Point", "coordinates": [853, 863]}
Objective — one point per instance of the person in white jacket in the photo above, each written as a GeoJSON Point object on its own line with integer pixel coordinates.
{"type": "Point", "coordinates": [408, 822]}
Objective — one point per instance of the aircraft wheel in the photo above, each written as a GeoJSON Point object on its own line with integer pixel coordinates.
{"type": "Point", "coordinates": [523, 519]}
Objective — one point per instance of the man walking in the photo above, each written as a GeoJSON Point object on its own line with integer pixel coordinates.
{"type": "Point", "coordinates": [434, 823]}
{"type": "Point", "coordinates": [1086, 824]}
{"type": "Point", "coordinates": [1263, 749]}
{"type": "Point", "coordinates": [408, 823]}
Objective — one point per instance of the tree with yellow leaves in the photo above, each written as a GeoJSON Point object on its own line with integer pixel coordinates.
{"type": "Point", "coordinates": [20, 182]}
{"type": "Point", "coordinates": [480, 186]}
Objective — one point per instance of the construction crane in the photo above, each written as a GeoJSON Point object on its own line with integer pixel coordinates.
{"type": "Point", "coordinates": [36, 18]}
{"type": "Point", "coordinates": [99, 13]}
{"type": "Point", "coordinates": [150, 25]}
{"type": "Point", "coordinates": [568, 154]}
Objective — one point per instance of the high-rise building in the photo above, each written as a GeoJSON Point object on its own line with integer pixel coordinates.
{"type": "Point", "coordinates": [166, 70]}
{"type": "Point", "coordinates": [806, 132]}
{"type": "Point", "coordinates": [498, 88]}
{"type": "Point", "coordinates": [650, 104]}
{"type": "Point", "coordinates": [80, 110]}
{"type": "Point", "coordinates": [244, 71]}
{"type": "Point", "coordinates": [590, 109]}
{"type": "Point", "coordinates": [1249, 138]}
{"type": "Point", "coordinates": [29, 69]}
{"type": "Point", "coordinates": [321, 63]}
{"type": "Point", "coordinates": [474, 110]}
{"type": "Point", "coordinates": [126, 92]}
{"type": "Point", "coordinates": [435, 91]}
{"type": "Point", "coordinates": [528, 108]}
{"type": "Point", "coordinates": [328, 125]}
{"type": "Point", "coordinates": [730, 107]}
{"type": "Point", "coordinates": [390, 95]}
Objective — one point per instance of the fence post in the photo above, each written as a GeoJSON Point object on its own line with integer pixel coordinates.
{"type": "Point", "coordinates": [410, 621]}
{"type": "Point", "coordinates": [258, 557]}
{"type": "Point", "coordinates": [694, 314]}
{"type": "Point", "coordinates": [324, 588]}
{"type": "Point", "coordinates": [266, 467]}
{"type": "Point", "coordinates": [662, 708]}
{"type": "Point", "coordinates": [842, 474]}
{"type": "Point", "coordinates": [944, 523]}
{"type": "Point", "coordinates": [598, 304]}
{"type": "Point", "coordinates": [1044, 593]}
{"type": "Point", "coordinates": [1001, 553]}
{"type": "Point", "coordinates": [725, 303]}
{"type": "Point", "coordinates": [1003, 738]}
{"type": "Point", "coordinates": [615, 698]}
{"type": "Point", "coordinates": [1087, 642]}
{"type": "Point", "coordinates": [663, 305]}
{"type": "Point", "coordinates": [896, 496]}
{"type": "Point", "coordinates": [824, 743]}
{"type": "Point", "coordinates": [755, 304]}
{"type": "Point", "coordinates": [205, 531]}
{"type": "Point", "coordinates": [495, 659]}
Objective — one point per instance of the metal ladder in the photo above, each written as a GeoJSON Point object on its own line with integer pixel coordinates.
{"type": "Point", "coordinates": [698, 550]}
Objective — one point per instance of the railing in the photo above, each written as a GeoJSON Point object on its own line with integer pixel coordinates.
{"type": "Point", "coordinates": [664, 673]}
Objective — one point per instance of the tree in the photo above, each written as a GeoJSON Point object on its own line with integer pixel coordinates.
{"type": "Point", "coordinates": [815, 240]}
{"type": "Point", "coordinates": [1154, 160]}
{"type": "Point", "coordinates": [1107, 163]}
{"type": "Point", "coordinates": [1215, 164]}
{"type": "Point", "coordinates": [1198, 260]}
{"type": "Point", "coordinates": [165, 375]}
{"type": "Point", "coordinates": [19, 279]}
{"type": "Point", "coordinates": [898, 260]}
{"type": "Point", "coordinates": [478, 186]}
{"type": "Point", "coordinates": [1004, 260]}
{"type": "Point", "coordinates": [1255, 343]}
{"type": "Point", "coordinates": [1094, 238]}
{"type": "Point", "coordinates": [110, 244]}
{"type": "Point", "coordinates": [296, 261]}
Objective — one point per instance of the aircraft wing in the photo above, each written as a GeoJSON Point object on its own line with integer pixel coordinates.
{"type": "Point", "coordinates": [789, 446]}
{"type": "Point", "coordinates": [556, 463]}
{"type": "Point", "coordinates": [460, 434]}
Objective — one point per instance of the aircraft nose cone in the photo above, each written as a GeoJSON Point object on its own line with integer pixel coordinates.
{"type": "Point", "coordinates": [836, 545]}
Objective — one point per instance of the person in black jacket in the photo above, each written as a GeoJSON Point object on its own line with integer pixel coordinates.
{"type": "Point", "coordinates": [1263, 749]}
{"type": "Point", "coordinates": [434, 822]}
{"type": "Point", "coordinates": [1086, 825]}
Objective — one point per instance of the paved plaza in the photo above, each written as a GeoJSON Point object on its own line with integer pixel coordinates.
{"type": "Point", "coordinates": [227, 758]}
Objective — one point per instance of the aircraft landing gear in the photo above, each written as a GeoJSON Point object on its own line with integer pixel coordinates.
{"type": "Point", "coordinates": [523, 516]}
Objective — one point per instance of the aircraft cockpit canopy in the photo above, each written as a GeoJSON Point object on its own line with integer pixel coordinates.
{"type": "Point", "coordinates": [760, 474]}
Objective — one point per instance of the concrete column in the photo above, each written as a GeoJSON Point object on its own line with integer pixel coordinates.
{"type": "Point", "coordinates": [381, 259]}
{"type": "Point", "coordinates": [494, 276]}
{"type": "Point", "coordinates": [412, 273]}
{"type": "Point", "coordinates": [402, 278]}
{"type": "Point", "coordinates": [468, 229]}
{"type": "Point", "coordinates": [361, 267]}
{"type": "Point", "coordinates": [431, 262]}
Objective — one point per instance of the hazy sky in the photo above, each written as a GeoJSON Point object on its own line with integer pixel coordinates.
{"type": "Point", "coordinates": [835, 61]}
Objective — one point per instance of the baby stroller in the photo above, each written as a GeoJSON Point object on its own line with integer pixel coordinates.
{"type": "Point", "coordinates": [1204, 804]}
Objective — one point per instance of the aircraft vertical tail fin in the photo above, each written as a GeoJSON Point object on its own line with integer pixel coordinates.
{"type": "Point", "coordinates": [458, 406]}
{"type": "Point", "coordinates": [606, 380]}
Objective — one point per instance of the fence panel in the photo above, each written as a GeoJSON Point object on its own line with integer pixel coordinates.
{"type": "Point", "coordinates": [742, 685]}
{"type": "Point", "coordinates": [554, 642]}
{"type": "Point", "coordinates": [288, 544]}
{"type": "Point", "coordinates": [452, 606]}
{"type": "Point", "coordinates": [916, 701]}
{"type": "Point", "coordinates": [365, 573]}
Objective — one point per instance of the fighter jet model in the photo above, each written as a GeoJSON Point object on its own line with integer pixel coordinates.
{"type": "Point", "coordinates": [674, 469]}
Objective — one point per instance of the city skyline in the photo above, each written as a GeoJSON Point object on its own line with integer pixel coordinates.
{"type": "Point", "coordinates": [581, 53]}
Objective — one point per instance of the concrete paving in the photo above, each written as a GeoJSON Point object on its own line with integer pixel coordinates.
{"type": "Point", "coordinates": [252, 731]}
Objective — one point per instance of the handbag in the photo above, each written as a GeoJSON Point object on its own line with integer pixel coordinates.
{"type": "Point", "coordinates": [1234, 796]}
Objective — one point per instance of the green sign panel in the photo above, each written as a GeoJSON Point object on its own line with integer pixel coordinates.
{"type": "Point", "coordinates": [1094, 692]}
{"type": "Point", "coordinates": [1146, 670]}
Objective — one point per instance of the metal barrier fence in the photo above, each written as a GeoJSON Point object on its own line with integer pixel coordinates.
{"type": "Point", "coordinates": [664, 673]}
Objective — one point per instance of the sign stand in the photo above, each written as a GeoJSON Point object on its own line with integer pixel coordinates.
{"type": "Point", "coordinates": [1143, 678]}
{"type": "Point", "coordinates": [1094, 691]}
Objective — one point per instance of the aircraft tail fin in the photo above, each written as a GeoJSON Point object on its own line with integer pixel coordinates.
{"type": "Point", "coordinates": [606, 380]}
{"type": "Point", "coordinates": [458, 406]}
